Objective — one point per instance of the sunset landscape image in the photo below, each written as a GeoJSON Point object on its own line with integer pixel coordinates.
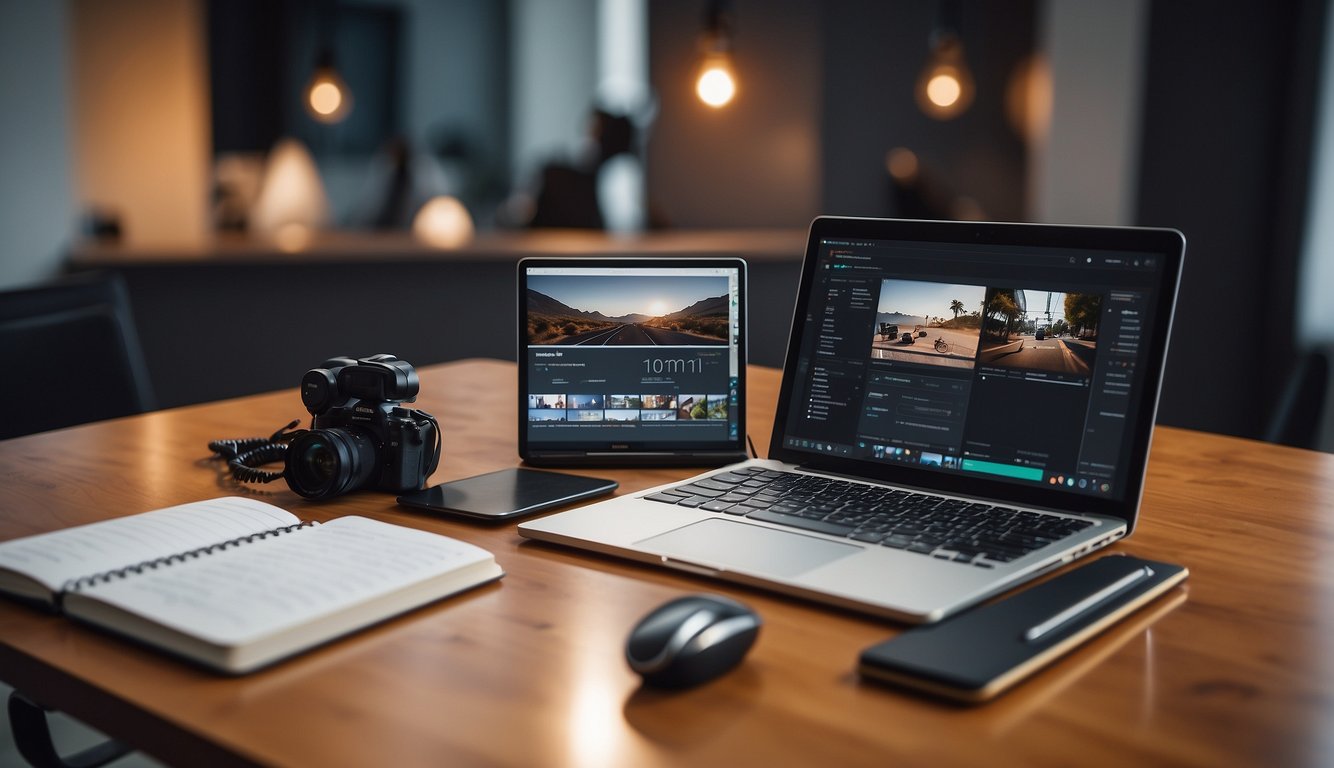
{"type": "Point", "coordinates": [598, 310]}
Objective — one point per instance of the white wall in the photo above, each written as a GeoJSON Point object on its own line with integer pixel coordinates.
{"type": "Point", "coordinates": [37, 218]}
{"type": "Point", "coordinates": [1315, 277]}
{"type": "Point", "coordinates": [623, 55]}
{"type": "Point", "coordinates": [1315, 317]}
{"type": "Point", "coordinates": [553, 80]}
{"type": "Point", "coordinates": [1084, 171]}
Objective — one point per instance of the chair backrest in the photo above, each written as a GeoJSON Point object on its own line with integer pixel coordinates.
{"type": "Point", "coordinates": [1298, 418]}
{"type": "Point", "coordinates": [70, 354]}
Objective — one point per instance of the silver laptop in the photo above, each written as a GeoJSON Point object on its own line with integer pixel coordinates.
{"type": "Point", "coordinates": [963, 407]}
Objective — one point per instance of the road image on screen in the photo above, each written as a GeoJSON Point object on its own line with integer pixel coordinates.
{"type": "Point", "coordinates": [1041, 331]}
{"type": "Point", "coordinates": [928, 323]}
{"type": "Point", "coordinates": [618, 310]}
{"type": "Point", "coordinates": [632, 356]}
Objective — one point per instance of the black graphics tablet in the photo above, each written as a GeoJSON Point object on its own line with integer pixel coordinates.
{"type": "Point", "coordinates": [632, 361]}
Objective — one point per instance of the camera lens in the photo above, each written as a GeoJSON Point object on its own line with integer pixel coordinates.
{"type": "Point", "coordinates": [328, 462]}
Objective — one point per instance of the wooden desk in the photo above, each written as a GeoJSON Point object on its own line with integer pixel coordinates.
{"type": "Point", "coordinates": [1234, 669]}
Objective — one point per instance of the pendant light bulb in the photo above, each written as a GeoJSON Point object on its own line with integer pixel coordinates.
{"type": "Point", "coordinates": [327, 96]}
{"type": "Point", "coordinates": [716, 85]}
{"type": "Point", "coordinates": [945, 86]}
{"type": "Point", "coordinates": [715, 79]}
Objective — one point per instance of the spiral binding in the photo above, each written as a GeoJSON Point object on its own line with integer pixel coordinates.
{"type": "Point", "coordinates": [105, 577]}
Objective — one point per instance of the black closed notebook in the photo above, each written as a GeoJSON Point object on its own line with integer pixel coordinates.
{"type": "Point", "coordinates": [978, 654]}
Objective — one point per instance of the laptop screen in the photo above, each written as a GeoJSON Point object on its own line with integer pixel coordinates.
{"type": "Point", "coordinates": [627, 356]}
{"type": "Point", "coordinates": [1014, 361]}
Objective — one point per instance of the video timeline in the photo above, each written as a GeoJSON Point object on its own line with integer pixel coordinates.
{"type": "Point", "coordinates": [627, 409]}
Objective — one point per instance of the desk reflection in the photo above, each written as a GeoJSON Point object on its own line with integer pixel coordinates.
{"type": "Point", "coordinates": [1032, 696]}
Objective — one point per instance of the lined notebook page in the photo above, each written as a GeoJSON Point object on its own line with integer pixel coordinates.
{"type": "Point", "coordinates": [246, 592]}
{"type": "Point", "coordinates": [57, 557]}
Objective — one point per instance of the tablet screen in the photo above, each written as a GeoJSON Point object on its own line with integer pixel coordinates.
{"type": "Point", "coordinates": [631, 356]}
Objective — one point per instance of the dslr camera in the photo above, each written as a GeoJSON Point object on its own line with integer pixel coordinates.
{"type": "Point", "coordinates": [360, 436]}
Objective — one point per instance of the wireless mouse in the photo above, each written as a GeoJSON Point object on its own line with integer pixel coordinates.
{"type": "Point", "coordinates": [690, 640]}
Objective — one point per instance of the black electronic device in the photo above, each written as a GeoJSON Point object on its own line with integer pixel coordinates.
{"type": "Point", "coordinates": [360, 437]}
{"type": "Point", "coordinates": [632, 361]}
{"type": "Point", "coordinates": [981, 653]}
{"type": "Point", "coordinates": [507, 493]}
{"type": "Point", "coordinates": [691, 640]}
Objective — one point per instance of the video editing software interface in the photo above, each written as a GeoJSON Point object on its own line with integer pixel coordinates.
{"type": "Point", "coordinates": [633, 357]}
{"type": "Point", "coordinates": [1014, 364]}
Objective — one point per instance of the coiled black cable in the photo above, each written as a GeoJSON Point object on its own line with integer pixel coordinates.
{"type": "Point", "coordinates": [246, 455]}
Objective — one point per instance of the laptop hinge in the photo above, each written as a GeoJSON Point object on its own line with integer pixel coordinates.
{"type": "Point", "coordinates": [937, 492]}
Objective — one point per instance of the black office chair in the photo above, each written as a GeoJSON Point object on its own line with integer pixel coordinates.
{"type": "Point", "coordinates": [71, 355]}
{"type": "Point", "coordinates": [32, 739]}
{"type": "Point", "coordinates": [1299, 413]}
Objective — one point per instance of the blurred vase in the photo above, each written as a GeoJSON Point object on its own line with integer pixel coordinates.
{"type": "Point", "coordinates": [291, 204]}
{"type": "Point", "coordinates": [443, 222]}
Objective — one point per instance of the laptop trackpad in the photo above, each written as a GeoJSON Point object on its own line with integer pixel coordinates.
{"type": "Point", "coordinates": [747, 547]}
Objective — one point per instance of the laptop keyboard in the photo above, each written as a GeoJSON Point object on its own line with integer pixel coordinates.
{"type": "Point", "coordinates": [962, 531]}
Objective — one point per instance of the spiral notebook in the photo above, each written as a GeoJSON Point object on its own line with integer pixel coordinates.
{"type": "Point", "coordinates": [235, 583]}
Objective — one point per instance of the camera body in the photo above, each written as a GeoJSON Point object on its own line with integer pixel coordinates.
{"type": "Point", "coordinates": [360, 435]}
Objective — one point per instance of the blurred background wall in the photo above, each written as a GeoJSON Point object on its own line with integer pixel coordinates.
{"type": "Point", "coordinates": [143, 132]}
{"type": "Point", "coordinates": [37, 204]}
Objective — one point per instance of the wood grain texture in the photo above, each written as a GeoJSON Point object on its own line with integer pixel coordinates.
{"type": "Point", "coordinates": [1234, 669]}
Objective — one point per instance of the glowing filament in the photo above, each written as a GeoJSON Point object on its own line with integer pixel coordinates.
{"type": "Point", "coordinates": [715, 86]}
